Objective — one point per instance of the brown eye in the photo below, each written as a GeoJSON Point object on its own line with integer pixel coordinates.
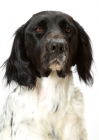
{"type": "Point", "coordinates": [38, 30]}
{"type": "Point", "coordinates": [68, 30]}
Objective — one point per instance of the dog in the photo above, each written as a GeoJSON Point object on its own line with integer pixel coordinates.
{"type": "Point", "coordinates": [45, 104]}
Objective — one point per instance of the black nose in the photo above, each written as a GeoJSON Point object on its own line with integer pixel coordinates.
{"type": "Point", "coordinates": [57, 46]}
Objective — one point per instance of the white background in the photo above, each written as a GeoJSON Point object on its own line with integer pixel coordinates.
{"type": "Point", "coordinates": [13, 13]}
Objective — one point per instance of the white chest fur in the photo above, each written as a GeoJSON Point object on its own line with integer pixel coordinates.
{"type": "Point", "coordinates": [52, 111]}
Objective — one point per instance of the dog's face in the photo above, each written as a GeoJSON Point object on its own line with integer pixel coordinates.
{"type": "Point", "coordinates": [49, 41]}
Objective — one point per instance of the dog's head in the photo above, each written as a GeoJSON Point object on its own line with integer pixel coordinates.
{"type": "Point", "coordinates": [49, 41]}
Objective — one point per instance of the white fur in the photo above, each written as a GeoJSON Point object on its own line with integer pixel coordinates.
{"type": "Point", "coordinates": [53, 110]}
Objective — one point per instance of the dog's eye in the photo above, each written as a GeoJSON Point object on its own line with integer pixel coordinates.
{"type": "Point", "coordinates": [68, 30]}
{"type": "Point", "coordinates": [38, 30]}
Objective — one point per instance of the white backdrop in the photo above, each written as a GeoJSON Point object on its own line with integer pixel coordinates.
{"type": "Point", "coordinates": [13, 13]}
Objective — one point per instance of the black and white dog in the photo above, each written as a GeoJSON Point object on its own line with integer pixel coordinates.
{"type": "Point", "coordinates": [46, 105]}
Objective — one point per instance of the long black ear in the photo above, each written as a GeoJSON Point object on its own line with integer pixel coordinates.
{"type": "Point", "coordinates": [18, 67]}
{"type": "Point", "coordinates": [84, 56]}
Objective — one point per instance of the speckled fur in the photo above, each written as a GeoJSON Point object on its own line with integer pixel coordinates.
{"type": "Point", "coordinates": [51, 111]}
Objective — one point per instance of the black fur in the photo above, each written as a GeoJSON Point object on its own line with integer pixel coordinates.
{"type": "Point", "coordinates": [29, 57]}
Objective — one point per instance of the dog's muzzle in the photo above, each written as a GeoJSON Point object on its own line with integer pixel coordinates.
{"type": "Point", "coordinates": [57, 48]}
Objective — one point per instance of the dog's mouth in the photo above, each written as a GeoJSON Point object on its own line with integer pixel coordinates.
{"type": "Point", "coordinates": [55, 64]}
{"type": "Point", "coordinates": [60, 64]}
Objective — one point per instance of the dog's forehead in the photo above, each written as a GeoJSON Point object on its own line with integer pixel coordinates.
{"type": "Point", "coordinates": [50, 16]}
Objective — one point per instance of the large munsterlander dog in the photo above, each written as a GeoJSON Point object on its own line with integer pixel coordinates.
{"type": "Point", "coordinates": [45, 105]}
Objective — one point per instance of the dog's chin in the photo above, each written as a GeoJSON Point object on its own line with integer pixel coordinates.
{"type": "Point", "coordinates": [57, 66]}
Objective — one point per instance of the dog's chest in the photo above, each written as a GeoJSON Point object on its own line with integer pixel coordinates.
{"type": "Point", "coordinates": [46, 121]}
{"type": "Point", "coordinates": [46, 113]}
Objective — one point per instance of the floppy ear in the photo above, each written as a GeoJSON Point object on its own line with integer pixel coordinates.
{"type": "Point", "coordinates": [18, 67]}
{"type": "Point", "coordinates": [84, 56]}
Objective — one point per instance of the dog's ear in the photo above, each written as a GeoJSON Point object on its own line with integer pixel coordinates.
{"type": "Point", "coordinates": [18, 67]}
{"type": "Point", "coordinates": [84, 56]}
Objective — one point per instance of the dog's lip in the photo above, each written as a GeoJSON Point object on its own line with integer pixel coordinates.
{"type": "Point", "coordinates": [56, 61]}
{"type": "Point", "coordinates": [55, 65]}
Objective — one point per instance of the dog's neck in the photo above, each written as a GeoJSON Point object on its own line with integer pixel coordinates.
{"type": "Point", "coordinates": [48, 87]}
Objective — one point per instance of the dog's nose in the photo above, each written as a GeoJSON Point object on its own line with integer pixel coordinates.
{"type": "Point", "coordinates": [57, 46]}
